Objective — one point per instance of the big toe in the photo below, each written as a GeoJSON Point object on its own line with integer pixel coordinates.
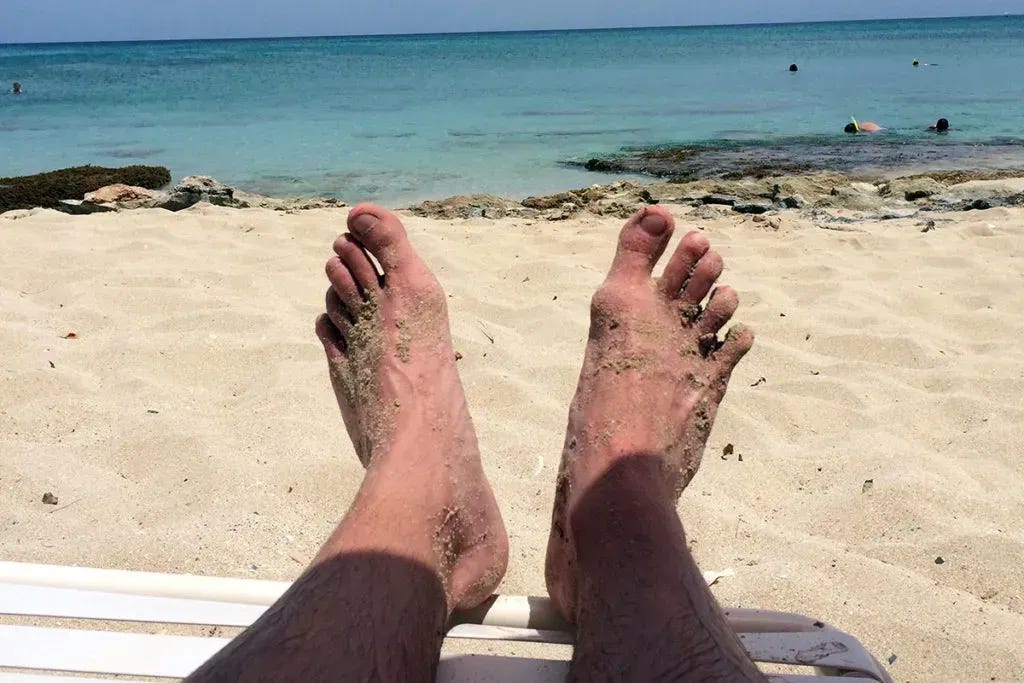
{"type": "Point", "coordinates": [641, 243]}
{"type": "Point", "coordinates": [384, 236]}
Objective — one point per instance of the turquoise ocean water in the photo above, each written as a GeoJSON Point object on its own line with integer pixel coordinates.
{"type": "Point", "coordinates": [402, 118]}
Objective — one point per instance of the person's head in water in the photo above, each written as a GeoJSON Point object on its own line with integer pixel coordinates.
{"type": "Point", "coordinates": [793, 67]}
{"type": "Point", "coordinates": [16, 88]}
{"type": "Point", "coordinates": [855, 126]}
{"type": "Point", "coordinates": [942, 125]}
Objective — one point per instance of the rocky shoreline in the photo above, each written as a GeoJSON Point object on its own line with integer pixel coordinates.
{"type": "Point", "coordinates": [828, 197]}
{"type": "Point", "coordinates": [190, 191]}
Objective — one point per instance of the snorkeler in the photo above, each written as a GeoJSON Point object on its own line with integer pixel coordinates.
{"type": "Point", "coordinates": [940, 126]}
{"type": "Point", "coordinates": [16, 88]}
{"type": "Point", "coordinates": [862, 127]}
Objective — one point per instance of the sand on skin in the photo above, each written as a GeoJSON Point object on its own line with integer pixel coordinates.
{"type": "Point", "coordinates": [191, 426]}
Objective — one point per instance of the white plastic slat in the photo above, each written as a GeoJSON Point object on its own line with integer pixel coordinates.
{"type": "Point", "coordinates": [537, 671]}
{"type": "Point", "coordinates": [37, 678]}
{"type": "Point", "coordinates": [824, 649]}
{"type": "Point", "coordinates": [521, 635]}
{"type": "Point", "coordinates": [506, 610]}
{"type": "Point", "coordinates": [81, 604]}
{"type": "Point", "coordinates": [77, 604]}
{"type": "Point", "coordinates": [70, 603]}
{"type": "Point", "coordinates": [132, 654]}
{"type": "Point", "coordinates": [81, 592]}
{"type": "Point", "coordinates": [104, 652]}
{"type": "Point", "coordinates": [495, 669]}
{"type": "Point", "coordinates": [220, 589]}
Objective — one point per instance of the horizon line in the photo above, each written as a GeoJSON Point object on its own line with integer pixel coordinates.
{"type": "Point", "coordinates": [513, 31]}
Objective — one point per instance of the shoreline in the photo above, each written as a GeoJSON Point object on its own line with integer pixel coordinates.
{"type": "Point", "coordinates": [874, 196]}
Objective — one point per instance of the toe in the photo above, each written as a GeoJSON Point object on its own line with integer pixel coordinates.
{"type": "Point", "coordinates": [641, 243]}
{"type": "Point", "coordinates": [352, 254]}
{"type": "Point", "coordinates": [707, 270]}
{"type": "Point", "coordinates": [723, 303]}
{"type": "Point", "coordinates": [737, 342]}
{"type": "Point", "coordinates": [680, 266]}
{"type": "Point", "coordinates": [339, 315]}
{"type": "Point", "coordinates": [342, 282]}
{"type": "Point", "coordinates": [384, 236]}
{"type": "Point", "coordinates": [330, 337]}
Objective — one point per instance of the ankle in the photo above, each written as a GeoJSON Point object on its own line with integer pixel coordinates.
{"type": "Point", "coordinates": [625, 492]}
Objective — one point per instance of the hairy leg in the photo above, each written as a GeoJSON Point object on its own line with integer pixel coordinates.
{"type": "Point", "coordinates": [424, 535]}
{"type": "Point", "coordinates": [653, 376]}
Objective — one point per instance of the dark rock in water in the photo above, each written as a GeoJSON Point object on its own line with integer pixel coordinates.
{"type": "Point", "coordinates": [49, 189]}
{"type": "Point", "coordinates": [795, 201]}
{"type": "Point", "coordinates": [736, 159]}
{"type": "Point", "coordinates": [601, 165]}
{"type": "Point", "coordinates": [758, 171]}
{"type": "Point", "coordinates": [721, 199]}
{"type": "Point", "coordinates": [752, 207]}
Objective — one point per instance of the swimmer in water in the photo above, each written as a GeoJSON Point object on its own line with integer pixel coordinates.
{"type": "Point", "coordinates": [863, 127]}
{"type": "Point", "coordinates": [16, 88]}
{"type": "Point", "coordinates": [940, 126]}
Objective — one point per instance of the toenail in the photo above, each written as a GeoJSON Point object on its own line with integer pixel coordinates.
{"type": "Point", "coordinates": [364, 222]}
{"type": "Point", "coordinates": [654, 224]}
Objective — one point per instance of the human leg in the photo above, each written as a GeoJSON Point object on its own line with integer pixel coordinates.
{"type": "Point", "coordinates": [653, 376]}
{"type": "Point", "coordinates": [424, 535]}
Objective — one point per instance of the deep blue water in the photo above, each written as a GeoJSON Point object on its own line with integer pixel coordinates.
{"type": "Point", "coordinates": [408, 117]}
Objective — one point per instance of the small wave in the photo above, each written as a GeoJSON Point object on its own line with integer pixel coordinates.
{"type": "Point", "coordinates": [585, 133]}
{"type": "Point", "coordinates": [545, 114]}
{"type": "Point", "coordinates": [376, 136]}
{"type": "Point", "coordinates": [135, 153]}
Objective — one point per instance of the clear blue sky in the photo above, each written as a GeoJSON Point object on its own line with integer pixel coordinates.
{"type": "Point", "coordinates": [26, 21]}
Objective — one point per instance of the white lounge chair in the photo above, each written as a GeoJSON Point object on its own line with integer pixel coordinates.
{"type": "Point", "coordinates": [33, 654]}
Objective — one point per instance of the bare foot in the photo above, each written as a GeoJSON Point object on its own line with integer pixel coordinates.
{"type": "Point", "coordinates": [653, 374]}
{"type": "Point", "coordinates": [392, 366]}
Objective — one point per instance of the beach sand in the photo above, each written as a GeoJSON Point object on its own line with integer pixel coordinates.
{"type": "Point", "coordinates": [190, 426]}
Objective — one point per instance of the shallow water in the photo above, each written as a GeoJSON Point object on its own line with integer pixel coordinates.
{"type": "Point", "coordinates": [408, 117]}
